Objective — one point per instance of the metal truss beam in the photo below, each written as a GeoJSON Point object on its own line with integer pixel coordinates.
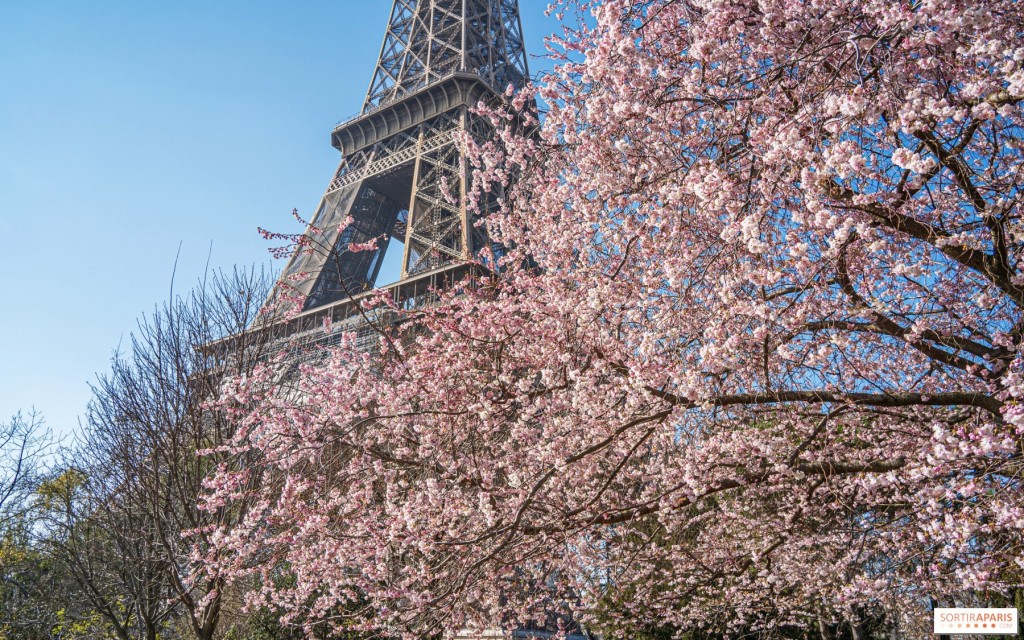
{"type": "Point", "coordinates": [403, 173]}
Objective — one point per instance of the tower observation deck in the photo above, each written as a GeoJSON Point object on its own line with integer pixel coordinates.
{"type": "Point", "coordinates": [403, 173]}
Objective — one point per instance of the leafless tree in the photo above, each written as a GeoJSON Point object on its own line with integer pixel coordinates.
{"type": "Point", "coordinates": [138, 537]}
{"type": "Point", "coordinates": [107, 551]}
{"type": "Point", "coordinates": [24, 443]}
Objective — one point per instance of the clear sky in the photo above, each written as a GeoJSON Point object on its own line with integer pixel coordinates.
{"type": "Point", "coordinates": [129, 129]}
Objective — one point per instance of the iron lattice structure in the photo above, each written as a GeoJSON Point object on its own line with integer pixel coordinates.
{"type": "Point", "coordinates": [403, 176]}
{"type": "Point", "coordinates": [403, 173]}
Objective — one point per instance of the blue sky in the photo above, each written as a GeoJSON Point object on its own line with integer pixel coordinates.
{"type": "Point", "coordinates": [130, 129]}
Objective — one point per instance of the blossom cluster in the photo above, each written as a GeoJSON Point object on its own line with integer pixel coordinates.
{"type": "Point", "coordinates": [752, 358]}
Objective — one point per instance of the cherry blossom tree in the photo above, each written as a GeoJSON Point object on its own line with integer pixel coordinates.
{"type": "Point", "coordinates": [752, 361]}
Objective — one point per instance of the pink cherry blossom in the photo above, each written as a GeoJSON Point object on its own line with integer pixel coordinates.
{"type": "Point", "coordinates": [752, 359]}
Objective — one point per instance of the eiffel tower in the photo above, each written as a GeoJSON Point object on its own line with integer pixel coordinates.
{"type": "Point", "coordinates": [403, 174]}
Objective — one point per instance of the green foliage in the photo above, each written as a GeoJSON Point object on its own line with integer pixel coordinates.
{"type": "Point", "coordinates": [88, 626]}
{"type": "Point", "coordinates": [264, 624]}
{"type": "Point", "coordinates": [59, 491]}
{"type": "Point", "coordinates": [34, 591]}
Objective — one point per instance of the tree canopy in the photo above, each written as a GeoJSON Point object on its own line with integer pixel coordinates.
{"type": "Point", "coordinates": [751, 360]}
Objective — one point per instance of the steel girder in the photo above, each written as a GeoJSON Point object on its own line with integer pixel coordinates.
{"type": "Point", "coordinates": [427, 40]}
{"type": "Point", "coordinates": [403, 173]}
